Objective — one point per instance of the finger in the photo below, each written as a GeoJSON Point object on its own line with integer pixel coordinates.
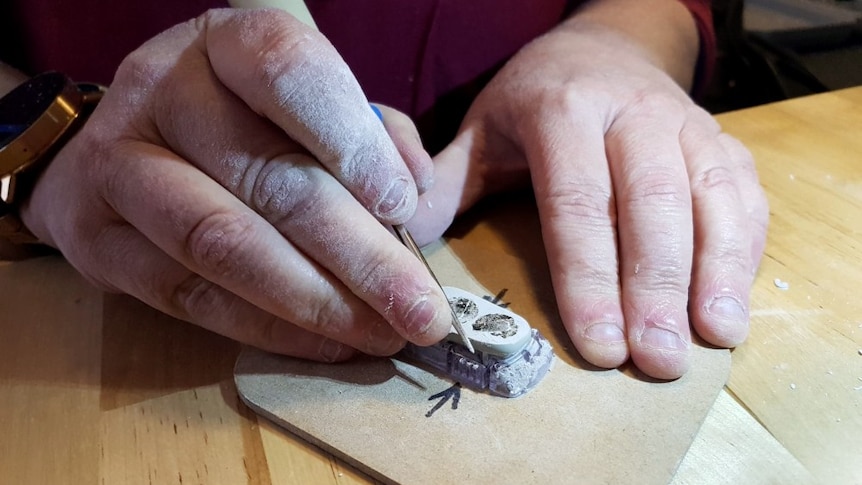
{"type": "Point", "coordinates": [480, 161]}
{"type": "Point", "coordinates": [451, 191]}
{"type": "Point", "coordinates": [302, 201]}
{"type": "Point", "coordinates": [151, 276]}
{"type": "Point", "coordinates": [403, 133]}
{"type": "Point", "coordinates": [196, 222]}
{"type": "Point", "coordinates": [752, 195]}
{"type": "Point", "coordinates": [655, 235]}
{"type": "Point", "coordinates": [576, 206]}
{"type": "Point", "coordinates": [293, 76]}
{"type": "Point", "coordinates": [323, 219]}
{"type": "Point", "coordinates": [721, 280]}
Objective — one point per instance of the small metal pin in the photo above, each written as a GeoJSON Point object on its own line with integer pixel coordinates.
{"type": "Point", "coordinates": [407, 240]}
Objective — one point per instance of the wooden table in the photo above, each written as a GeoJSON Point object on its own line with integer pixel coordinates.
{"type": "Point", "coordinates": [98, 388]}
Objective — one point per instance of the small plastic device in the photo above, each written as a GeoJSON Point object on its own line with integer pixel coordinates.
{"type": "Point", "coordinates": [510, 357]}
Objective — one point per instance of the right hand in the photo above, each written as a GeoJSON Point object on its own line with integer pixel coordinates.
{"type": "Point", "coordinates": [235, 176]}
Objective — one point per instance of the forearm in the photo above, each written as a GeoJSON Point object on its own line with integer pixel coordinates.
{"type": "Point", "coordinates": [664, 29]}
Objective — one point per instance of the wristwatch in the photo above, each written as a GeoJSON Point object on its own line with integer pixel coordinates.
{"type": "Point", "coordinates": [36, 119]}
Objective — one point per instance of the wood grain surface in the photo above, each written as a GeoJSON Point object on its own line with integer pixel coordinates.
{"type": "Point", "coordinates": [98, 388]}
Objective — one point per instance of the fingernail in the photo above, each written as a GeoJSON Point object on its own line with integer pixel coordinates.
{"type": "Point", "coordinates": [394, 199]}
{"type": "Point", "coordinates": [604, 333]}
{"type": "Point", "coordinates": [420, 316]}
{"type": "Point", "coordinates": [331, 350]}
{"type": "Point", "coordinates": [660, 338]}
{"type": "Point", "coordinates": [727, 307]}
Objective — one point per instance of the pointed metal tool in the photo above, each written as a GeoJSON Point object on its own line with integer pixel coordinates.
{"type": "Point", "coordinates": [407, 240]}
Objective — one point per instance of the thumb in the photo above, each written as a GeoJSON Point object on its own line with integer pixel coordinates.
{"type": "Point", "coordinates": [457, 186]}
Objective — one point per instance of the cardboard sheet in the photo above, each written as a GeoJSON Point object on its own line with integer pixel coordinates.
{"type": "Point", "coordinates": [580, 425]}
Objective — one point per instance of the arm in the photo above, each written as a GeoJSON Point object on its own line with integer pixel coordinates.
{"type": "Point", "coordinates": [664, 30]}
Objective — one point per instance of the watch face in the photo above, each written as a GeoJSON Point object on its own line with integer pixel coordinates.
{"type": "Point", "coordinates": [23, 105]}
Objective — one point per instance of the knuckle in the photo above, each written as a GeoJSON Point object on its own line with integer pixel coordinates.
{"type": "Point", "coordinates": [216, 241]}
{"type": "Point", "coordinates": [282, 51]}
{"type": "Point", "coordinates": [192, 296]}
{"type": "Point", "coordinates": [260, 332]}
{"type": "Point", "coordinates": [286, 48]}
{"type": "Point", "coordinates": [698, 115]}
{"type": "Point", "coordinates": [583, 202]}
{"type": "Point", "coordinates": [658, 102]}
{"type": "Point", "coordinates": [658, 187]}
{"type": "Point", "coordinates": [595, 276]}
{"type": "Point", "coordinates": [564, 99]}
{"type": "Point", "coordinates": [284, 191]}
{"type": "Point", "coordinates": [714, 178]}
{"type": "Point", "coordinates": [108, 171]}
{"type": "Point", "coordinates": [372, 275]}
{"type": "Point", "coordinates": [352, 163]}
{"type": "Point", "coordinates": [145, 67]}
{"type": "Point", "coordinates": [327, 317]}
{"type": "Point", "coordinates": [567, 97]}
{"type": "Point", "coordinates": [91, 245]}
{"type": "Point", "coordinates": [730, 256]}
{"type": "Point", "coordinates": [664, 275]}
{"type": "Point", "coordinates": [736, 149]}
{"type": "Point", "coordinates": [140, 69]}
{"type": "Point", "coordinates": [760, 212]}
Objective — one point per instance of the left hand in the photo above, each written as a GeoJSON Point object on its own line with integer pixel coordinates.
{"type": "Point", "coordinates": [651, 216]}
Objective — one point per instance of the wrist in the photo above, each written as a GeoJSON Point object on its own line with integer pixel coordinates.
{"type": "Point", "coordinates": [664, 30]}
{"type": "Point", "coordinates": [36, 119]}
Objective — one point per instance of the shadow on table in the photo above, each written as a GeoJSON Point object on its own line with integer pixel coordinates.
{"type": "Point", "coordinates": [147, 354]}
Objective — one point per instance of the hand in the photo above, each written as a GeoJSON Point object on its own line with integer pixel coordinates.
{"type": "Point", "coordinates": [648, 210]}
{"type": "Point", "coordinates": [236, 177]}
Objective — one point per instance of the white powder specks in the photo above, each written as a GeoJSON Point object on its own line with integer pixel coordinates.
{"type": "Point", "coordinates": [782, 285]}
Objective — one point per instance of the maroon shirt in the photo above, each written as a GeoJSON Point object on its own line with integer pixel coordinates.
{"type": "Point", "coordinates": [427, 58]}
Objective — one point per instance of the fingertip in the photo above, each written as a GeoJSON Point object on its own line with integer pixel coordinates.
{"type": "Point", "coordinates": [397, 202]}
{"type": "Point", "coordinates": [603, 344]}
{"type": "Point", "coordinates": [299, 343]}
{"type": "Point", "coordinates": [430, 220]}
{"type": "Point", "coordinates": [332, 351]}
{"type": "Point", "coordinates": [421, 166]}
{"type": "Point", "coordinates": [661, 363]}
{"type": "Point", "coordinates": [407, 141]}
{"type": "Point", "coordinates": [723, 321]}
{"type": "Point", "coordinates": [661, 353]}
{"type": "Point", "coordinates": [724, 338]}
{"type": "Point", "coordinates": [428, 320]}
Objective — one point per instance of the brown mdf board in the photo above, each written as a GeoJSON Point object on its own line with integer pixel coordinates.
{"type": "Point", "coordinates": [580, 425]}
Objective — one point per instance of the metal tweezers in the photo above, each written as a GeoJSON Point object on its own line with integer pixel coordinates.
{"type": "Point", "coordinates": [407, 240]}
